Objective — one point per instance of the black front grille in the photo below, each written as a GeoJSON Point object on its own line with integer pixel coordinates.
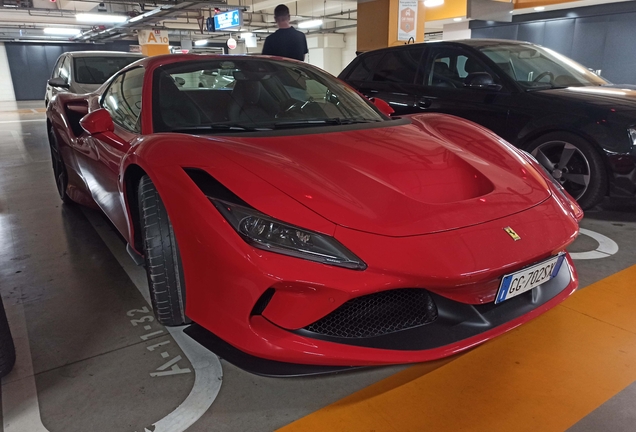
{"type": "Point", "coordinates": [378, 314]}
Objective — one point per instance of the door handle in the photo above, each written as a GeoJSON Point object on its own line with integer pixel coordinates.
{"type": "Point", "coordinates": [424, 102]}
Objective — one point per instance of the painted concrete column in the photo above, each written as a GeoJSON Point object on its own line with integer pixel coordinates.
{"type": "Point", "coordinates": [154, 42]}
{"type": "Point", "coordinates": [383, 23]}
{"type": "Point", "coordinates": [6, 85]}
{"type": "Point", "coordinates": [325, 52]}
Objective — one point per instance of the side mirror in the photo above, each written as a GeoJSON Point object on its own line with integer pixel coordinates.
{"type": "Point", "coordinates": [481, 80]}
{"type": "Point", "coordinates": [58, 82]}
{"type": "Point", "coordinates": [97, 122]}
{"type": "Point", "coordinates": [383, 106]}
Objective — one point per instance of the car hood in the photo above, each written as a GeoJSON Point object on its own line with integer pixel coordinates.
{"type": "Point", "coordinates": [396, 181]}
{"type": "Point", "coordinates": [619, 97]}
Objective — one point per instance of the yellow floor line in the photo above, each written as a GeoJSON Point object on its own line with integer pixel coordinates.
{"type": "Point", "coordinates": [543, 376]}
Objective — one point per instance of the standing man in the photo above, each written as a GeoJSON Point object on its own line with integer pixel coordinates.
{"type": "Point", "coordinates": [286, 41]}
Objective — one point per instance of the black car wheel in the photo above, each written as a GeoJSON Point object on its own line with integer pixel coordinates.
{"type": "Point", "coordinates": [574, 163]}
{"type": "Point", "coordinates": [7, 349]}
{"type": "Point", "coordinates": [59, 169]}
{"type": "Point", "coordinates": [161, 255]}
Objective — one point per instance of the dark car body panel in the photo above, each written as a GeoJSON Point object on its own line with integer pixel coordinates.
{"type": "Point", "coordinates": [600, 115]}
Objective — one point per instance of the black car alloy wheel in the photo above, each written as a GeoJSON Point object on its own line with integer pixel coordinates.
{"type": "Point", "coordinates": [575, 164]}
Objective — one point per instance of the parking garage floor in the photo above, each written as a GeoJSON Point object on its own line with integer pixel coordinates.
{"type": "Point", "coordinates": [89, 358]}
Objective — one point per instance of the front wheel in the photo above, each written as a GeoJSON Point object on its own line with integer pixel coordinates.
{"type": "Point", "coordinates": [575, 164]}
{"type": "Point", "coordinates": [7, 349]}
{"type": "Point", "coordinates": [59, 168]}
{"type": "Point", "coordinates": [161, 255]}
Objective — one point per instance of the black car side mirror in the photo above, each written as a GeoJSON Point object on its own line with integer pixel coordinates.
{"type": "Point", "coordinates": [481, 80]}
{"type": "Point", "coordinates": [58, 82]}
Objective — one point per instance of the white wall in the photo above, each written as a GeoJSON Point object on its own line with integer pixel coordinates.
{"type": "Point", "coordinates": [325, 51]}
{"type": "Point", "coordinates": [6, 85]}
{"type": "Point", "coordinates": [455, 31]}
{"type": "Point", "coordinates": [349, 51]}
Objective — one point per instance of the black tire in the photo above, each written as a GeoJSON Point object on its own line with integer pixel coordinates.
{"type": "Point", "coordinates": [59, 169]}
{"type": "Point", "coordinates": [575, 163]}
{"type": "Point", "coordinates": [7, 349]}
{"type": "Point", "coordinates": [161, 255]}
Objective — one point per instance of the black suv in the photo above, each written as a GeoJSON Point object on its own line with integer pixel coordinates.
{"type": "Point", "coordinates": [580, 127]}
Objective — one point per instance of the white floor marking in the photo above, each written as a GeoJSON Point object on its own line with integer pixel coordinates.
{"type": "Point", "coordinates": [208, 374]}
{"type": "Point", "coordinates": [606, 247]}
{"type": "Point", "coordinates": [22, 121]}
{"type": "Point", "coordinates": [20, 407]}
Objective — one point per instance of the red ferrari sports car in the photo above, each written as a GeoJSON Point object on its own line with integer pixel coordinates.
{"type": "Point", "coordinates": [298, 227]}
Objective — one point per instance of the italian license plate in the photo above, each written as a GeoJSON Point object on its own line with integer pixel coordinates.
{"type": "Point", "coordinates": [524, 280]}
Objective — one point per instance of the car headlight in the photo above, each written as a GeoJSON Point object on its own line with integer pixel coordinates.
{"type": "Point", "coordinates": [632, 135]}
{"type": "Point", "coordinates": [264, 232]}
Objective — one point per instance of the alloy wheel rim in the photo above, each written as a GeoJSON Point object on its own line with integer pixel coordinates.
{"type": "Point", "coordinates": [567, 164]}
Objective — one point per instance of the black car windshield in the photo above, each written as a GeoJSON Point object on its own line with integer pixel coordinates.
{"type": "Point", "coordinates": [535, 67]}
{"type": "Point", "coordinates": [96, 70]}
{"type": "Point", "coordinates": [247, 94]}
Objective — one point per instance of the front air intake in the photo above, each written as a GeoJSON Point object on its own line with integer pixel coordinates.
{"type": "Point", "coordinates": [378, 314]}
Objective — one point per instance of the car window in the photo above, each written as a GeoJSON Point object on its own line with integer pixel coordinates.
{"type": "Point", "coordinates": [238, 94]}
{"type": "Point", "coordinates": [365, 66]}
{"type": "Point", "coordinates": [65, 69]}
{"type": "Point", "coordinates": [449, 67]}
{"type": "Point", "coordinates": [399, 66]}
{"type": "Point", "coordinates": [535, 67]}
{"type": "Point", "coordinates": [56, 68]}
{"type": "Point", "coordinates": [96, 70]}
{"type": "Point", "coordinates": [123, 99]}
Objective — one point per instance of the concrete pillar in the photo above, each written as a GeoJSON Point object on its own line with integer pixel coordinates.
{"type": "Point", "coordinates": [325, 52]}
{"type": "Point", "coordinates": [154, 42]}
{"type": "Point", "coordinates": [6, 84]}
{"type": "Point", "coordinates": [380, 23]}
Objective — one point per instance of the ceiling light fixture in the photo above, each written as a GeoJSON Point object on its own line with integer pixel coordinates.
{"type": "Point", "coordinates": [539, 8]}
{"type": "Point", "coordinates": [201, 42]}
{"type": "Point", "coordinates": [310, 24]}
{"type": "Point", "coordinates": [100, 18]}
{"type": "Point", "coordinates": [433, 3]}
{"type": "Point", "coordinates": [457, 19]}
{"type": "Point", "coordinates": [65, 31]}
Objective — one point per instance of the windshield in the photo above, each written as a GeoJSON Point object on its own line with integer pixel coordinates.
{"type": "Point", "coordinates": [252, 94]}
{"type": "Point", "coordinates": [535, 67]}
{"type": "Point", "coordinates": [96, 70]}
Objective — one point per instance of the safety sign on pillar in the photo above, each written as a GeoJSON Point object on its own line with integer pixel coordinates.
{"type": "Point", "coordinates": [154, 42]}
{"type": "Point", "coordinates": [407, 25]}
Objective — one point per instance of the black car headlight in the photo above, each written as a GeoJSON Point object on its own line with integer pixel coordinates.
{"type": "Point", "coordinates": [264, 232]}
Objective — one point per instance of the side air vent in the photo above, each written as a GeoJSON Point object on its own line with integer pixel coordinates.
{"type": "Point", "coordinates": [211, 187]}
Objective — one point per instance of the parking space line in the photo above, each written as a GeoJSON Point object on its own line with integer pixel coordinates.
{"type": "Point", "coordinates": [208, 373]}
{"type": "Point", "coordinates": [606, 246]}
{"type": "Point", "coordinates": [545, 375]}
{"type": "Point", "coordinates": [20, 406]}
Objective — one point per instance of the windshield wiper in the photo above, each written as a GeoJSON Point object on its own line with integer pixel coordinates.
{"type": "Point", "coordinates": [319, 122]}
{"type": "Point", "coordinates": [222, 127]}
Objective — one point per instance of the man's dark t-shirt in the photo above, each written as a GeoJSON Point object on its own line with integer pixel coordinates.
{"type": "Point", "coordinates": [287, 42]}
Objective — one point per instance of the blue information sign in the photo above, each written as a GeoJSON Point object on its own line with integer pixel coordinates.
{"type": "Point", "coordinates": [228, 20]}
